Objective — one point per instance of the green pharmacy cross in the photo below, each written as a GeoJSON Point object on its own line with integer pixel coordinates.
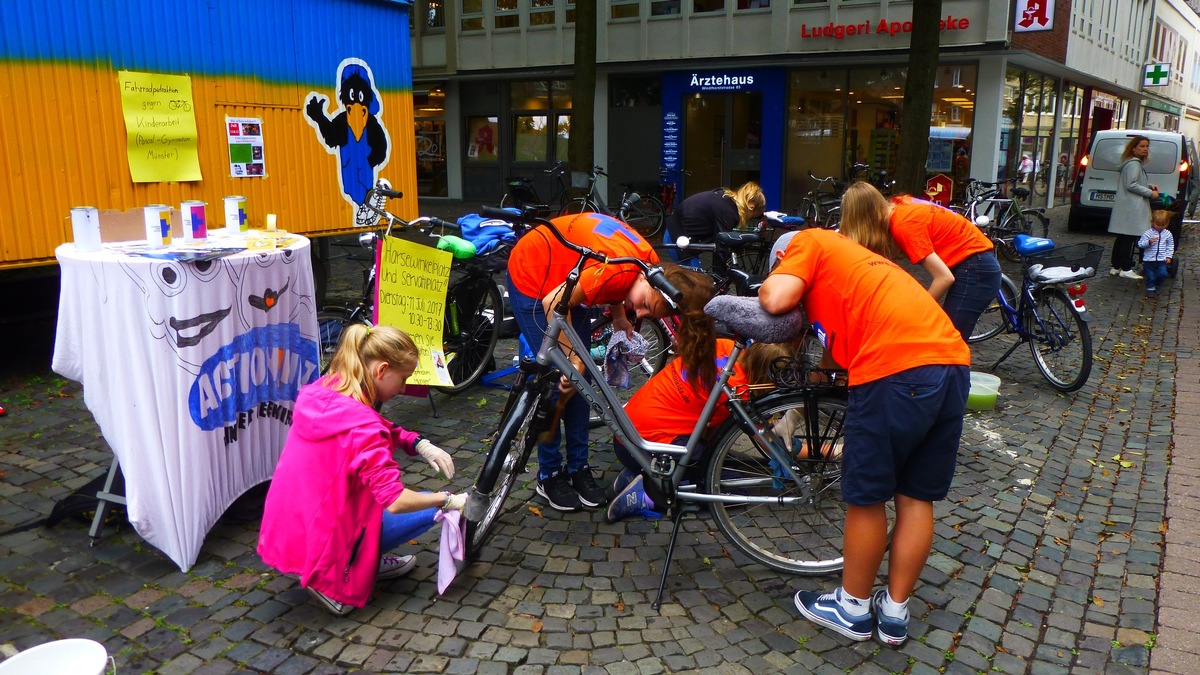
{"type": "Point", "coordinates": [1156, 75]}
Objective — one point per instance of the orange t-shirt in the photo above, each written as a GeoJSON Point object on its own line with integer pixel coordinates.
{"type": "Point", "coordinates": [539, 263]}
{"type": "Point", "coordinates": [873, 317]}
{"type": "Point", "coordinates": [667, 406]}
{"type": "Point", "coordinates": [921, 228]}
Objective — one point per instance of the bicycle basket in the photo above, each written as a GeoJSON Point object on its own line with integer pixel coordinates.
{"type": "Point", "coordinates": [1065, 263]}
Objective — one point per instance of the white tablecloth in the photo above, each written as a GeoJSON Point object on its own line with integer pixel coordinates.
{"type": "Point", "coordinates": [191, 370]}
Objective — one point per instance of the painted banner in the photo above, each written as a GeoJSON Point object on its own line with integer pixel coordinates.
{"type": "Point", "coordinates": [411, 295]}
{"type": "Point", "coordinates": [160, 127]}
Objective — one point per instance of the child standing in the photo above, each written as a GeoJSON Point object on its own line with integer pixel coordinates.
{"type": "Point", "coordinates": [336, 501]}
{"type": "Point", "coordinates": [1158, 247]}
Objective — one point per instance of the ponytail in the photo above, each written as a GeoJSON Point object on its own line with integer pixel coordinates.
{"type": "Point", "coordinates": [361, 345]}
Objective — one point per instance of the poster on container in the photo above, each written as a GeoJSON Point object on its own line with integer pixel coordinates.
{"type": "Point", "coordinates": [160, 127]}
{"type": "Point", "coordinates": [411, 295]}
{"type": "Point", "coordinates": [245, 138]}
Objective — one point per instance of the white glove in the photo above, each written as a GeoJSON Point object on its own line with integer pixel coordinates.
{"type": "Point", "coordinates": [456, 502]}
{"type": "Point", "coordinates": [438, 458]}
{"type": "Point", "coordinates": [774, 215]}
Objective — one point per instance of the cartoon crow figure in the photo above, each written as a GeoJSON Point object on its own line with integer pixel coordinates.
{"type": "Point", "coordinates": [355, 133]}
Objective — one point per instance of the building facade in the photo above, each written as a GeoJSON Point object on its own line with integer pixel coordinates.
{"type": "Point", "coordinates": [787, 92]}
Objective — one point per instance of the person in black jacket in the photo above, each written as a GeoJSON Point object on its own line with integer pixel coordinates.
{"type": "Point", "coordinates": [701, 216]}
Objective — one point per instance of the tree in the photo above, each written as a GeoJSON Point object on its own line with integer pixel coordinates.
{"type": "Point", "coordinates": [918, 96]}
{"type": "Point", "coordinates": [581, 145]}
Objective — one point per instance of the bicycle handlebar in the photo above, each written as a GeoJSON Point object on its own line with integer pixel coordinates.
{"type": "Point", "coordinates": [654, 273]}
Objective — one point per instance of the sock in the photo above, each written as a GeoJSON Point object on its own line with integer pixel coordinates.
{"type": "Point", "coordinates": [893, 609]}
{"type": "Point", "coordinates": [851, 605]}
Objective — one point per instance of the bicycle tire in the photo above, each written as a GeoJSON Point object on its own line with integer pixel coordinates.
{"type": "Point", "coordinates": [331, 323]}
{"type": "Point", "coordinates": [806, 209]}
{"type": "Point", "coordinates": [833, 218]}
{"type": "Point", "coordinates": [646, 216]}
{"type": "Point", "coordinates": [1002, 234]}
{"type": "Point", "coordinates": [507, 201]}
{"type": "Point", "coordinates": [993, 320]}
{"type": "Point", "coordinates": [658, 351]}
{"type": "Point", "coordinates": [805, 538]}
{"type": "Point", "coordinates": [505, 461]}
{"type": "Point", "coordinates": [474, 311]}
{"type": "Point", "coordinates": [1036, 224]}
{"type": "Point", "coordinates": [579, 206]}
{"type": "Point", "coordinates": [1060, 342]}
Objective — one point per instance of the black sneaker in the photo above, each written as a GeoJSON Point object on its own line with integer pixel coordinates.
{"type": "Point", "coordinates": [557, 490]}
{"type": "Point", "coordinates": [590, 494]}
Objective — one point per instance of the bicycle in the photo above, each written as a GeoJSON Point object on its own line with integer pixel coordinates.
{"type": "Point", "coordinates": [643, 213]}
{"type": "Point", "coordinates": [1053, 321]}
{"type": "Point", "coordinates": [520, 193]}
{"type": "Point", "coordinates": [474, 307]}
{"type": "Point", "coordinates": [822, 206]}
{"type": "Point", "coordinates": [1006, 217]}
{"type": "Point", "coordinates": [668, 180]}
{"type": "Point", "coordinates": [778, 507]}
{"type": "Point", "coordinates": [860, 171]}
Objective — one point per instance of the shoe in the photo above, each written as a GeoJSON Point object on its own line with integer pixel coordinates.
{"type": "Point", "coordinates": [1151, 291]}
{"type": "Point", "coordinates": [332, 606]}
{"type": "Point", "coordinates": [629, 501]}
{"type": "Point", "coordinates": [590, 494]}
{"type": "Point", "coordinates": [891, 631]}
{"type": "Point", "coordinates": [825, 610]}
{"type": "Point", "coordinates": [393, 566]}
{"type": "Point", "coordinates": [1113, 272]}
{"type": "Point", "coordinates": [623, 479]}
{"type": "Point", "coordinates": [557, 490]}
{"type": "Point", "coordinates": [1130, 274]}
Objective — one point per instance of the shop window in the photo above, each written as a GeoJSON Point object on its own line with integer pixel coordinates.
{"type": "Point", "coordinates": [703, 6]}
{"type": "Point", "coordinates": [471, 15]}
{"type": "Point", "coordinates": [533, 141]}
{"type": "Point", "coordinates": [507, 14]}
{"type": "Point", "coordinates": [541, 13]}
{"type": "Point", "coordinates": [624, 9]}
{"type": "Point", "coordinates": [432, 15]}
{"type": "Point", "coordinates": [630, 92]}
{"type": "Point", "coordinates": [483, 134]}
{"type": "Point", "coordinates": [816, 129]}
{"type": "Point", "coordinates": [529, 138]}
{"type": "Point", "coordinates": [664, 8]}
{"type": "Point", "coordinates": [562, 136]}
{"type": "Point", "coordinates": [754, 4]}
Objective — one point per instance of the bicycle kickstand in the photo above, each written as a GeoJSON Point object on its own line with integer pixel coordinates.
{"type": "Point", "coordinates": [1006, 355]}
{"type": "Point", "coordinates": [680, 508]}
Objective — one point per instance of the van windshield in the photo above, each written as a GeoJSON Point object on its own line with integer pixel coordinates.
{"type": "Point", "coordinates": [1164, 155]}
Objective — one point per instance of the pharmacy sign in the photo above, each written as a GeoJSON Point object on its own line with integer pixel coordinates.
{"type": "Point", "coordinates": [1156, 75]}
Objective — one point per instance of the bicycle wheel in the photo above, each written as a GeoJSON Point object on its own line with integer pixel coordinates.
{"type": "Point", "coordinates": [800, 538]}
{"type": "Point", "coordinates": [331, 323]}
{"type": "Point", "coordinates": [1036, 224]}
{"type": "Point", "coordinates": [658, 351]}
{"type": "Point", "coordinates": [474, 311]}
{"type": "Point", "coordinates": [507, 201]}
{"type": "Point", "coordinates": [1061, 342]}
{"type": "Point", "coordinates": [504, 462]}
{"type": "Point", "coordinates": [646, 216]}
{"type": "Point", "coordinates": [578, 206]}
{"type": "Point", "coordinates": [833, 218]}
{"type": "Point", "coordinates": [1002, 235]}
{"type": "Point", "coordinates": [806, 209]}
{"type": "Point", "coordinates": [993, 321]}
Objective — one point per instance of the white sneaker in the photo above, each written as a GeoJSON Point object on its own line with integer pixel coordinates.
{"type": "Point", "coordinates": [393, 566]}
{"type": "Point", "coordinates": [1113, 272]}
{"type": "Point", "coordinates": [1130, 274]}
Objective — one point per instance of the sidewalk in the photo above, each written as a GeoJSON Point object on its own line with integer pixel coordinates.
{"type": "Point", "coordinates": [1068, 545]}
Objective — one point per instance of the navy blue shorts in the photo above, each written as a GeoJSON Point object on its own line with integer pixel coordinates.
{"type": "Point", "coordinates": [902, 435]}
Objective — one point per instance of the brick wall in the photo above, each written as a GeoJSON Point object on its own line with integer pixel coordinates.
{"type": "Point", "coordinates": [1051, 44]}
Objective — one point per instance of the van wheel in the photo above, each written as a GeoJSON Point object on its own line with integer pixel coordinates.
{"type": "Point", "coordinates": [1075, 222]}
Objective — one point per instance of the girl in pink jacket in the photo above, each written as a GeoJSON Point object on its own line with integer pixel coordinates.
{"type": "Point", "coordinates": [336, 501]}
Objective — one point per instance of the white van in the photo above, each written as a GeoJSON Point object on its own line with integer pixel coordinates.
{"type": "Point", "coordinates": [1169, 166]}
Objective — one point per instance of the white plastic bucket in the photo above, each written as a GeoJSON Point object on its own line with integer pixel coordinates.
{"type": "Point", "coordinates": [984, 389]}
{"type": "Point", "coordinates": [76, 656]}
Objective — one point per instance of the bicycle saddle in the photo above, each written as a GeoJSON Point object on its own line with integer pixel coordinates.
{"type": "Point", "coordinates": [747, 318]}
{"type": "Point", "coordinates": [1020, 192]}
{"type": "Point", "coordinates": [736, 240]}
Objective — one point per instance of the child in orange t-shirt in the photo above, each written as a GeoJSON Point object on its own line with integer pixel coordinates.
{"type": "Point", "coordinates": [665, 410]}
{"type": "Point", "coordinates": [908, 372]}
{"type": "Point", "coordinates": [959, 257]}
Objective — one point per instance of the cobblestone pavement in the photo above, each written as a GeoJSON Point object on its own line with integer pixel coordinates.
{"type": "Point", "coordinates": [1048, 555]}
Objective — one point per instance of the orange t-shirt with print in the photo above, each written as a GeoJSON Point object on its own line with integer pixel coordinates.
{"type": "Point", "coordinates": [667, 406]}
{"type": "Point", "coordinates": [922, 227]}
{"type": "Point", "coordinates": [873, 317]}
{"type": "Point", "coordinates": [539, 263]}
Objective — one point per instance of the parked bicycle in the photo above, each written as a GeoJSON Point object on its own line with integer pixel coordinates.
{"type": "Point", "coordinates": [521, 193]}
{"type": "Point", "coordinates": [644, 213]}
{"type": "Point", "coordinates": [474, 307]}
{"type": "Point", "coordinates": [1048, 311]}
{"type": "Point", "coordinates": [776, 499]}
{"type": "Point", "coordinates": [668, 183]}
{"type": "Point", "coordinates": [860, 171]}
{"type": "Point", "coordinates": [822, 206]}
{"type": "Point", "coordinates": [1006, 217]}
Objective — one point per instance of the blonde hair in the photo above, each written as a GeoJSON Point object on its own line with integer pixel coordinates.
{"type": "Point", "coordinates": [1161, 217]}
{"type": "Point", "coordinates": [866, 218]}
{"type": "Point", "coordinates": [758, 357]}
{"type": "Point", "coordinates": [749, 199]}
{"type": "Point", "coordinates": [1133, 143]}
{"type": "Point", "coordinates": [359, 347]}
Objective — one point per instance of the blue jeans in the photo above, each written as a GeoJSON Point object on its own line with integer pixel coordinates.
{"type": "Point", "coordinates": [976, 283]}
{"type": "Point", "coordinates": [400, 527]}
{"type": "Point", "coordinates": [531, 319]}
{"type": "Point", "coordinates": [1155, 273]}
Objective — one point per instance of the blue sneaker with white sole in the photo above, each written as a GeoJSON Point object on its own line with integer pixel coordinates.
{"type": "Point", "coordinates": [825, 610]}
{"type": "Point", "coordinates": [891, 631]}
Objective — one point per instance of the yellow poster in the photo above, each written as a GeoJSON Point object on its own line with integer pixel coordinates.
{"type": "Point", "coordinates": [160, 127]}
{"type": "Point", "coordinates": [412, 297]}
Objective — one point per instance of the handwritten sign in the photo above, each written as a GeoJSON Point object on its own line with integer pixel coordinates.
{"type": "Point", "coordinates": [160, 127]}
{"type": "Point", "coordinates": [411, 296]}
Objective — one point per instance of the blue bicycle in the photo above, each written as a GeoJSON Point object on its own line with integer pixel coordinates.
{"type": "Point", "coordinates": [1048, 311]}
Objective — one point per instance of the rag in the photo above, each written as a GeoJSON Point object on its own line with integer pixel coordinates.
{"type": "Point", "coordinates": [623, 352]}
{"type": "Point", "coordinates": [453, 547]}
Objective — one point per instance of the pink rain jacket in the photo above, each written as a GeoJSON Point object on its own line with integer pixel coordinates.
{"type": "Point", "coordinates": [324, 510]}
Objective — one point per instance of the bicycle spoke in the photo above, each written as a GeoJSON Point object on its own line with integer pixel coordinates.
{"type": "Point", "coordinates": [1061, 343]}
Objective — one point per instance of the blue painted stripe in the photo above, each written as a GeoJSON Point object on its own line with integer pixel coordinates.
{"type": "Point", "coordinates": [284, 41]}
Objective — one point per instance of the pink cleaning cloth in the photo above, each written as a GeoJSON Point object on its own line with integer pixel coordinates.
{"type": "Point", "coordinates": [453, 547]}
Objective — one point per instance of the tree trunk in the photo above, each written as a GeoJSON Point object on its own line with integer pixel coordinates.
{"type": "Point", "coordinates": [918, 97]}
{"type": "Point", "coordinates": [581, 145]}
